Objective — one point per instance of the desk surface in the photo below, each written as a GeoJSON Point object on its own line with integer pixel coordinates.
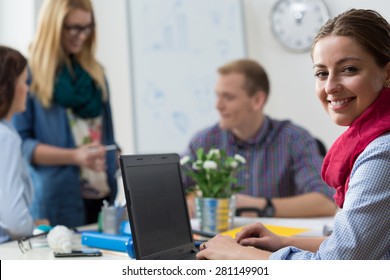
{"type": "Point", "coordinates": [11, 251]}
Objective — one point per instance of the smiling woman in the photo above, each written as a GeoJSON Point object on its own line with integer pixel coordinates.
{"type": "Point", "coordinates": [348, 82]}
{"type": "Point", "coordinates": [351, 57]}
{"type": "Point", "coordinates": [68, 118]}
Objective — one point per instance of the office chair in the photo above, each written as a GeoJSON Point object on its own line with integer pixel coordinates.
{"type": "Point", "coordinates": [321, 147]}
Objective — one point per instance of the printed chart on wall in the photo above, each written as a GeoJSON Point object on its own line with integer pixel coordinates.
{"type": "Point", "coordinates": [176, 47]}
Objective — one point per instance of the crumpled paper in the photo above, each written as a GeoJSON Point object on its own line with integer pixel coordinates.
{"type": "Point", "coordinates": [60, 239]}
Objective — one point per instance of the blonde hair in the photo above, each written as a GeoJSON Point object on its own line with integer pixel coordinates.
{"type": "Point", "coordinates": [46, 52]}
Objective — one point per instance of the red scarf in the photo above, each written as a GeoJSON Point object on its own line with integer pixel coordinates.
{"type": "Point", "coordinates": [338, 162]}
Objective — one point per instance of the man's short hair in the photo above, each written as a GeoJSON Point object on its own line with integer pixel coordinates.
{"type": "Point", "coordinates": [255, 76]}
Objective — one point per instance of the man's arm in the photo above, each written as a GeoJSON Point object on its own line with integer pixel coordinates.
{"type": "Point", "coordinates": [313, 196]}
{"type": "Point", "coordinates": [305, 205]}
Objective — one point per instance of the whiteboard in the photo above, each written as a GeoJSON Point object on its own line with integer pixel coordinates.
{"type": "Point", "coordinates": [176, 47]}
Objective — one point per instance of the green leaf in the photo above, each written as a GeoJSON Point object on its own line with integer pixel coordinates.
{"type": "Point", "coordinates": [200, 153]}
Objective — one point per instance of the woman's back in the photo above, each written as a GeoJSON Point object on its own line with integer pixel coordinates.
{"type": "Point", "coordinates": [16, 189]}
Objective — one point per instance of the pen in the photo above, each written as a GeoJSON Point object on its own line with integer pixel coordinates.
{"type": "Point", "coordinates": [107, 148]}
{"type": "Point", "coordinates": [110, 147]}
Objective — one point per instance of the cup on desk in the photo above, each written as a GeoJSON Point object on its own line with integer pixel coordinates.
{"type": "Point", "coordinates": [110, 219]}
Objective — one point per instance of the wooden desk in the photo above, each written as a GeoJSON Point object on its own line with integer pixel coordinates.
{"type": "Point", "coordinates": [11, 251]}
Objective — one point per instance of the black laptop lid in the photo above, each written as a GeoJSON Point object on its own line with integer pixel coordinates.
{"type": "Point", "coordinates": [156, 205]}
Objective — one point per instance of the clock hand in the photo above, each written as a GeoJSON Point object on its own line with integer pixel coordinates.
{"type": "Point", "coordinates": [298, 16]}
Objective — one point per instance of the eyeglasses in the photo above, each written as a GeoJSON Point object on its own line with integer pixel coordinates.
{"type": "Point", "coordinates": [39, 240]}
{"type": "Point", "coordinates": [76, 30]}
{"type": "Point", "coordinates": [25, 243]}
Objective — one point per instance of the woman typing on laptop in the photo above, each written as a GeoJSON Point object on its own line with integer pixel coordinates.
{"type": "Point", "coordinates": [351, 57]}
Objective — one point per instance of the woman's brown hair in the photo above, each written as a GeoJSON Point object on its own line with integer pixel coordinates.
{"type": "Point", "coordinates": [367, 27]}
{"type": "Point", "coordinates": [12, 65]}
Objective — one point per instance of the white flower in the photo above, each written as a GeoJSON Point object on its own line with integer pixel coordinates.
{"type": "Point", "coordinates": [184, 160]}
{"type": "Point", "coordinates": [209, 164]}
{"type": "Point", "coordinates": [197, 165]}
{"type": "Point", "coordinates": [214, 152]}
{"type": "Point", "coordinates": [240, 158]}
{"type": "Point", "coordinates": [233, 164]}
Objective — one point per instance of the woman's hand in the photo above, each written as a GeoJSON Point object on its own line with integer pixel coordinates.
{"type": "Point", "coordinates": [91, 156]}
{"type": "Point", "coordinates": [257, 235]}
{"type": "Point", "coordinates": [223, 247]}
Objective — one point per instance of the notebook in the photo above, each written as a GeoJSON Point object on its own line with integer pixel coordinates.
{"type": "Point", "coordinates": [157, 208]}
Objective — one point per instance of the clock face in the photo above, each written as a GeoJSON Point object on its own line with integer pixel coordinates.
{"type": "Point", "coordinates": [296, 22]}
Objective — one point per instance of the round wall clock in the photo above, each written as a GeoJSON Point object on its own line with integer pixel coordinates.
{"type": "Point", "coordinates": [296, 22]}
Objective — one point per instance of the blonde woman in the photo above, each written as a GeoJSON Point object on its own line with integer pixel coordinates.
{"type": "Point", "coordinates": [68, 120]}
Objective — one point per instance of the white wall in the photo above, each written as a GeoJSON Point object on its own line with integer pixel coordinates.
{"type": "Point", "coordinates": [291, 75]}
{"type": "Point", "coordinates": [113, 52]}
{"type": "Point", "coordinates": [16, 24]}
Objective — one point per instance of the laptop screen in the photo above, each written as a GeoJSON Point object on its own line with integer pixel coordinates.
{"type": "Point", "coordinates": [158, 207]}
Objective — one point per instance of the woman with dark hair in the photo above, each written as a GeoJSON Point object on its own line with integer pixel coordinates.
{"type": "Point", "coordinates": [15, 188]}
{"type": "Point", "coordinates": [351, 62]}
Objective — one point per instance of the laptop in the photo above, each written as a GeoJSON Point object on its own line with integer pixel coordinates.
{"type": "Point", "coordinates": [157, 208]}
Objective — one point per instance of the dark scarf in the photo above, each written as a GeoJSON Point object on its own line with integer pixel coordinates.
{"type": "Point", "coordinates": [338, 162]}
{"type": "Point", "coordinates": [78, 91]}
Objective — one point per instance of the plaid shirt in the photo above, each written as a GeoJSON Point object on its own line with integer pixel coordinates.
{"type": "Point", "coordinates": [361, 229]}
{"type": "Point", "coordinates": [282, 159]}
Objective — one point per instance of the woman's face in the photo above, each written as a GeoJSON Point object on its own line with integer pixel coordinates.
{"type": "Point", "coordinates": [78, 26]}
{"type": "Point", "coordinates": [21, 88]}
{"type": "Point", "coordinates": [348, 79]}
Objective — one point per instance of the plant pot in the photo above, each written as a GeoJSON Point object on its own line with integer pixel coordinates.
{"type": "Point", "coordinates": [215, 214]}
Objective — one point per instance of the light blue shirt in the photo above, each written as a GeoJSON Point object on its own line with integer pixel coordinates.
{"type": "Point", "coordinates": [15, 187]}
{"type": "Point", "coordinates": [362, 227]}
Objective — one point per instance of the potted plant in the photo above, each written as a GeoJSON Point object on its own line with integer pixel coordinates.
{"type": "Point", "coordinates": [214, 174]}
